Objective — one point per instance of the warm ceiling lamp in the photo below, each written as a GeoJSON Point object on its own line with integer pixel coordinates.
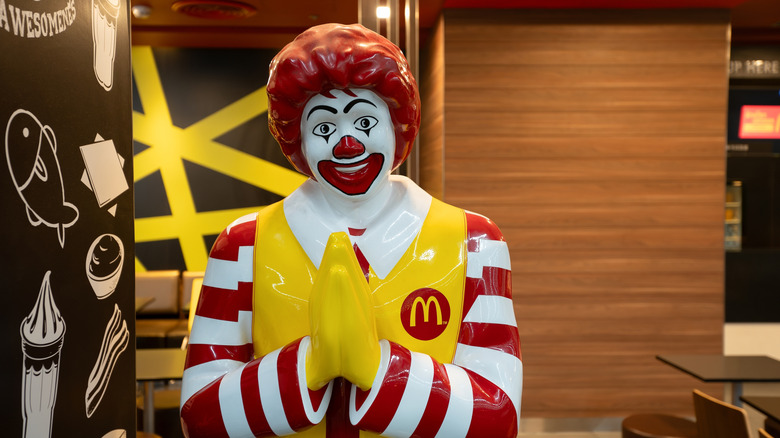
{"type": "Point", "coordinates": [382, 12]}
{"type": "Point", "coordinates": [214, 9]}
{"type": "Point", "coordinates": [141, 11]}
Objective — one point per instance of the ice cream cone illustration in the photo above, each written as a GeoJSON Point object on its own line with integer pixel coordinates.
{"type": "Point", "coordinates": [43, 332]}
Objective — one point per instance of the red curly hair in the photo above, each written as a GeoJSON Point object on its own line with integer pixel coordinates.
{"type": "Point", "coordinates": [335, 56]}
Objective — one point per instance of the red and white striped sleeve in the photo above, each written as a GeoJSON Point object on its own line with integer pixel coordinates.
{"type": "Point", "coordinates": [226, 392]}
{"type": "Point", "coordinates": [478, 394]}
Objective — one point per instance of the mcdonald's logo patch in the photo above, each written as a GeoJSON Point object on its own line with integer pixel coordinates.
{"type": "Point", "coordinates": [425, 313]}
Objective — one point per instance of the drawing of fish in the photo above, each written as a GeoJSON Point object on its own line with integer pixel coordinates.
{"type": "Point", "coordinates": [31, 153]}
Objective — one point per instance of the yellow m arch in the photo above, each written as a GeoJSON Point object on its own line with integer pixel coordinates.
{"type": "Point", "coordinates": [426, 305]}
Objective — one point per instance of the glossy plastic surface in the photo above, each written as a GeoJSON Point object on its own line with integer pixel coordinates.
{"type": "Point", "coordinates": [344, 340]}
{"type": "Point", "coordinates": [375, 309]}
{"type": "Point", "coordinates": [335, 56]}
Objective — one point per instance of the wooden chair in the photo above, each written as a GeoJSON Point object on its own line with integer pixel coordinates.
{"type": "Point", "coordinates": [191, 282]}
{"type": "Point", "coordinates": [157, 321]}
{"type": "Point", "coordinates": [719, 419]}
{"type": "Point", "coordinates": [179, 335]}
{"type": "Point", "coordinates": [163, 287]}
{"type": "Point", "coordinates": [772, 427]}
{"type": "Point", "coordinates": [763, 433]}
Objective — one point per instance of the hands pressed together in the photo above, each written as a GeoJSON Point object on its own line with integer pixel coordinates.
{"type": "Point", "coordinates": [344, 341]}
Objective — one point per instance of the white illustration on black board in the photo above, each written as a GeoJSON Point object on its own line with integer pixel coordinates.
{"type": "Point", "coordinates": [104, 264]}
{"type": "Point", "coordinates": [103, 173]}
{"type": "Point", "coordinates": [31, 153]}
{"type": "Point", "coordinates": [43, 332]}
{"type": "Point", "coordinates": [104, 22]}
{"type": "Point", "coordinates": [115, 340]}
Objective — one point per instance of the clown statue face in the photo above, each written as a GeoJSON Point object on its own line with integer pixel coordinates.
{"type": "Point", "coordinates": [345, 109]}
{"type": "Point", "coordinates": [348, 142]}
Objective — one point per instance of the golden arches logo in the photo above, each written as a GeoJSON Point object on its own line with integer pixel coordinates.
{"type": "Point", "coordinates": [435, 313]}
{"type": "Point", "coordinates": [426, 304]}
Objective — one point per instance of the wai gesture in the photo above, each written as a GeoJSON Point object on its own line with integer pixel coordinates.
{"type": "Point", "coordinates": [344, 340]}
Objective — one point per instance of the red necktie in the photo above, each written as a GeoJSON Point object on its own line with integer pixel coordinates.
{"type": "Point", "coordinates": [360, 257]}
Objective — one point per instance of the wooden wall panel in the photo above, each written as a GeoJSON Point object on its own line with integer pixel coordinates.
{"type": "Point", "coordinates": [431, 165]}
{"type": "Point", "coordinates": [596, 141]}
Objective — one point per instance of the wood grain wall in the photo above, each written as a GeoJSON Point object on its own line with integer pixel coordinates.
{"type": "Point", "coordinates": [431, 163]}
{"type": "Point", "coordinates": [596, 141]}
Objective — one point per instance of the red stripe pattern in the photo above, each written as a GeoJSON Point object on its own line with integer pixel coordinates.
{"type": "Point", "coordinates": [203, 353]}
{"type": "Point", "coordinates": [250, 397]}
{"type": "Point", "coordinates": [416, 396]}
{"type": "Point", "coordinates": [436, 408]}
{"type": "Point", "coordinates": [201, 416]}
{"type": "Point", "coordinates": [225, 304]}
{"type": "Point", "coordinates": [494, 414]}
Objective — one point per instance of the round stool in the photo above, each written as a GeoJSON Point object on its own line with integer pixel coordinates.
{"type": "Point", "coordinates": [658, 426]}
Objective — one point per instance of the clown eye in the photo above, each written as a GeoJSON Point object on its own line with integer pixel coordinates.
{"type": "Point", "coordinates": [365, 123]}
{"type": "Point", "coordinates": [324, 130]}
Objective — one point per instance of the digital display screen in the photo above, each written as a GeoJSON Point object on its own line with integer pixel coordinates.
{"type": "Point", "coordinates": [759, 122]}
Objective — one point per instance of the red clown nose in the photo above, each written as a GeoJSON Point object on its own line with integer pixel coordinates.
{"type": "Point", "coordinates": [348, 147]}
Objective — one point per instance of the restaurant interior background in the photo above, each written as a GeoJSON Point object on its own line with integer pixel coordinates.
{"type": "Point", "coordinates": [601, 138]}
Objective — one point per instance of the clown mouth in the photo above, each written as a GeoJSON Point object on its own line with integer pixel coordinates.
{"type": "Point", "coordinates": [355, 178]}
{"type": "Point", "coordinates": [352, 169]}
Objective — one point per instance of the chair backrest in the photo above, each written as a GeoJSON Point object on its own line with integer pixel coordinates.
{"type": "Point", "coordinates": [763, 433]}
{"type": "Point", "coordinates": [718, 419]}
{"type": "Point", "coordinates": [193, 282]}
{"type": "Point", "coordinates": [163, 287]}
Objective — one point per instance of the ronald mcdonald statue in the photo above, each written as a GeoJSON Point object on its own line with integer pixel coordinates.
{"type": "Point", "coordinates": [358, 306]}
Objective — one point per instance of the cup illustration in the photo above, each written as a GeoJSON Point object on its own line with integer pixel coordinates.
{"type": "Point", "coordinates": [104, 23]}
{"type": "Point", "coordinates": [43, 332]}
{"type": "Point", "coordinates": [104, 264]}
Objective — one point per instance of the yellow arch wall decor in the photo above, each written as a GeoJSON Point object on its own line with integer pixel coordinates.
{"type": "Point", "coordinates": [169, 145]}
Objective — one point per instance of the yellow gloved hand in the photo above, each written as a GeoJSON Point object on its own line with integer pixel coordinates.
{"type": "Point", "coordinates": [344, 340]}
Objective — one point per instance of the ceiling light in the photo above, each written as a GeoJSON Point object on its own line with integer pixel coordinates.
{"type": "Point", "coordinates": [142, 12]}
{"type": "Point", "coordinates": [382, 12]}
{"type": "Point", "coordinates": [214, 9]}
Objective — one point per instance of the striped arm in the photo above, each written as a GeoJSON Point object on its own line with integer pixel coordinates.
{"type": "Point", "coordinates": [225, 391]}
{"type": "Point", "coordinates": [478, 395]}
{"type": "Point", "coordinates": [265, 397]}
{"type": "Point", "coordinates": [489, 345]}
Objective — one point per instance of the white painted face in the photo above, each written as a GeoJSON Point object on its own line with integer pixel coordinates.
{"type": "Point", "coordinates": [348, 141]}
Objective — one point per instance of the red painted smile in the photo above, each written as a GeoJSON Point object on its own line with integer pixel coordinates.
{"type": "Point", "coordinates": [353, 178]}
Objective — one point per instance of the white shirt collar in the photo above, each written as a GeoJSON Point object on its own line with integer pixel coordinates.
{"type": "Point", "coordinates": [385, 240]}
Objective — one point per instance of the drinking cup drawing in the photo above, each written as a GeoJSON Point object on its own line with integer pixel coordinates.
{"type": "Point", "coordinates": [104, 24]}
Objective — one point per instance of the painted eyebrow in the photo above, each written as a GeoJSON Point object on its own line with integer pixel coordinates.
{"type": "Point", "coordinates": [329, 109]}
{"type": "Point", "coordinates": [355, 102]}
